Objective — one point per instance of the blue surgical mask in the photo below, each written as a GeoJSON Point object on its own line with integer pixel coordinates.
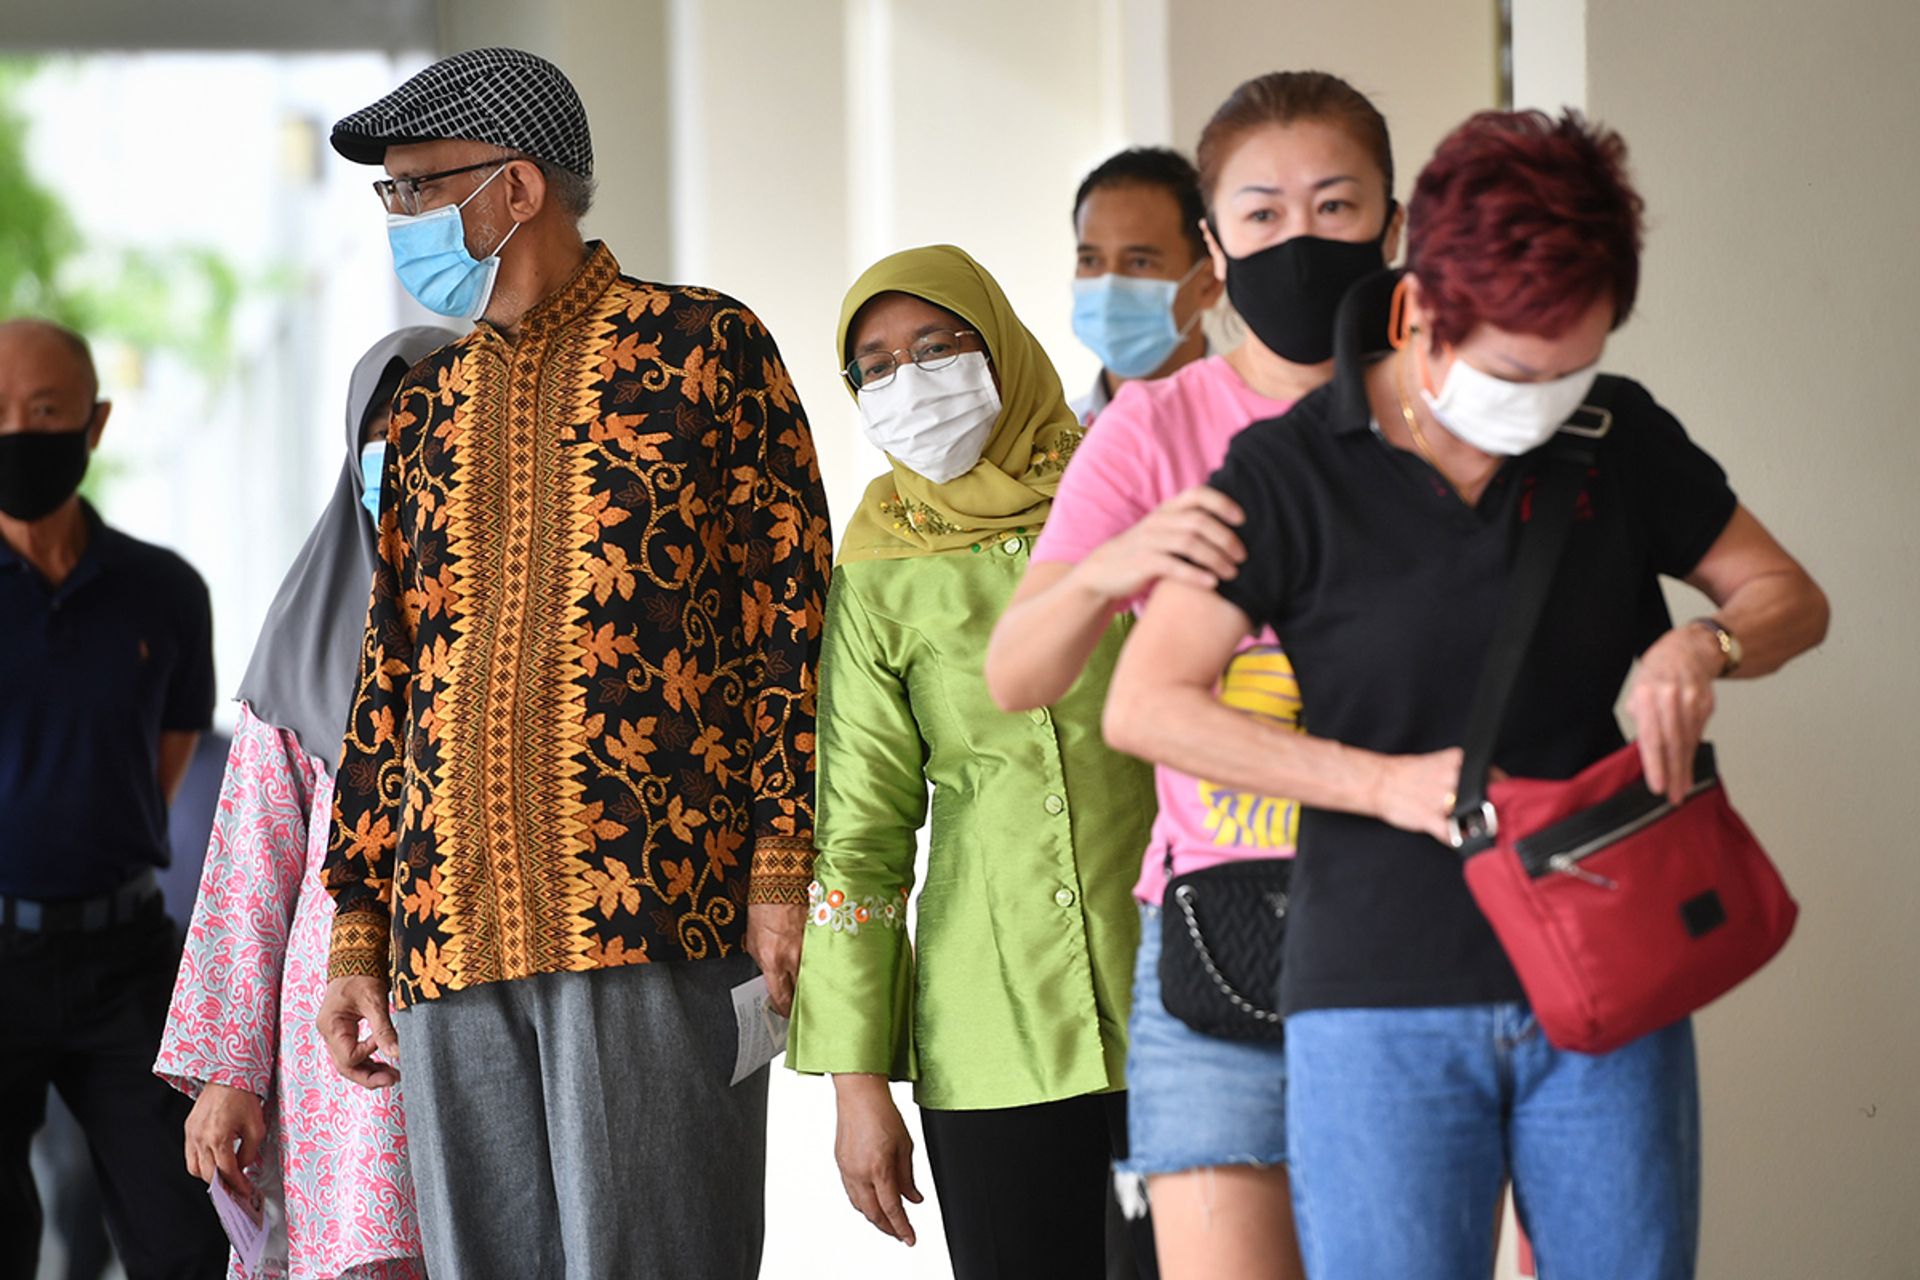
{"type": "Point", "coordinates": [430, 257]}
{"type": "Point", "coordinates": [1128, 321]}
{"type": "Point", "coordinates": [373, 459]}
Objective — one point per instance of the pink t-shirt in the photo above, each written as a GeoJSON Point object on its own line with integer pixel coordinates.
{"type": "Point", "coordinates": [1155, 440]}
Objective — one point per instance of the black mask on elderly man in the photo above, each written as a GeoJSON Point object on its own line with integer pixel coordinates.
{"type": "Point", "coordinates": [40, 470]}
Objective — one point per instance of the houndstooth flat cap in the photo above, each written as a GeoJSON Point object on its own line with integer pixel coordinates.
{"type": "Point", "coordinates": [503, 96]}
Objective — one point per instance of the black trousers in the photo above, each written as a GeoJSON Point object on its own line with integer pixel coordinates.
{"type": "Point", "coordinates": [1024, 1191]}
{"type": "Point", "coordinates": [83, 1012]}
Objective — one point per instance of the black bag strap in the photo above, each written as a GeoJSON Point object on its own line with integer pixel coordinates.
{"type": "Point", "coordinates": [1473, 823]}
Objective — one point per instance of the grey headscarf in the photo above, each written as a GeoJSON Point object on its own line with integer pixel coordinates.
{"type": "Point", "coordinates": [305, 663]}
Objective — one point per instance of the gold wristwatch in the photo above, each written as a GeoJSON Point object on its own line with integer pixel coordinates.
{"type": "Point", "coordinates": [1730, 652]}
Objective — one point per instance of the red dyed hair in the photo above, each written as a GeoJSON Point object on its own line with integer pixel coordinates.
{"type": "Point", "coordinates": [1522, 221]}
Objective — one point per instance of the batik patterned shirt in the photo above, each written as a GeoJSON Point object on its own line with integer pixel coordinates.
{"type": "Point", "coordinates": [584, 730]}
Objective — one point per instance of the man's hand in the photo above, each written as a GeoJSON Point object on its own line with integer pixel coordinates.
{"type": "Point", "coordinates": [348, 1001]}
{"type": "Point", "coordinates": [221, 1115]}
{"type": "Point", "coordinates": [774, 932]}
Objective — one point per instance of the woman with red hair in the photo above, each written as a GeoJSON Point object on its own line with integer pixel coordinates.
{"type": "Point", "coordinates": [1381, 517]}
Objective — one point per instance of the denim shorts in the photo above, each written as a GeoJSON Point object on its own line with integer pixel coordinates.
{"type": "Point", "coordinates": [1195, 1100]}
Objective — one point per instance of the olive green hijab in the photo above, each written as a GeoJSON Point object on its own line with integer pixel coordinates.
{"type": "Point", "coordinates": [1011, 487]}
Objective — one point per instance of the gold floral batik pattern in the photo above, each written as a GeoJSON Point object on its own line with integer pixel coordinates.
{"type": "Point", "coordinates": [584, 730]}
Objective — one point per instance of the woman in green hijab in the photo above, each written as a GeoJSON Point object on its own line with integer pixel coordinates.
{"type": "Point", "coordinates": [1009, 1010]}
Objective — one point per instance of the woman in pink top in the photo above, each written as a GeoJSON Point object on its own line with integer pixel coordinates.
{"type": "Point", "coordinates": [1297, 173]}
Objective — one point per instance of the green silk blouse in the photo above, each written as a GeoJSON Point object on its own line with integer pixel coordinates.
{"type": "Point", "coordinates": [1015, 988]}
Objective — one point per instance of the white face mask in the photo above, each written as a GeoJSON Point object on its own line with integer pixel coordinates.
{"type": "Point", "coordinates": [1506, 418]}
{"type": "Point", "coordinates": [934, 422]}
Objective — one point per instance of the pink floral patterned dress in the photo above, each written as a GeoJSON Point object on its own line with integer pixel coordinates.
{"type": "Point", "coordinates": [243, 1013]}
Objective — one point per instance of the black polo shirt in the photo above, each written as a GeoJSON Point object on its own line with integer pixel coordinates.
{"type": "Point", "coordinates": [1385, 589]}
{"type": "Point", "coordinates": [92, 672]}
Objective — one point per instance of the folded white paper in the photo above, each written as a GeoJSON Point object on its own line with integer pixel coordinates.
{"type": "Point", "coordinates": [763, 1033]}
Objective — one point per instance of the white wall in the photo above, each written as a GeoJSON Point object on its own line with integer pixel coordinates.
{"type": "Point", "coordinates": [1778, 147]}
{"type": "Point", "coordinates": [1549, 54]}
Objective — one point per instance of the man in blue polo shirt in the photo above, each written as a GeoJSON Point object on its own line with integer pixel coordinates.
{"type": "Point", "coordinates": [106, 679]}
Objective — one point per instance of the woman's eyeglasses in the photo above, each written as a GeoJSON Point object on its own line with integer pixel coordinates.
{"type": "Point", "coordinates": [930, 351]}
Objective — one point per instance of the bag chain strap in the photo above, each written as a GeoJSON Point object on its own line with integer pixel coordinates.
{"type": "Point", "coordinates": [1184, 896]}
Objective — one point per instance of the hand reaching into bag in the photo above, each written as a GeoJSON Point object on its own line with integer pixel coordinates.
{"type": "Point", "coordinates": [1670, 701]}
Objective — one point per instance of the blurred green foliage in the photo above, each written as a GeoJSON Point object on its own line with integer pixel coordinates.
{"type": "Point", "coordinates": [179, 300]}
{"type": "Point", "coordinates": [36, 234]}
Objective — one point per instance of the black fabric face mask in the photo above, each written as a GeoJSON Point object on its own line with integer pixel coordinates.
{"type": "Point", "coordinates": [1288, 293]}
{"type": "Point", "coordinates": [39, 470]}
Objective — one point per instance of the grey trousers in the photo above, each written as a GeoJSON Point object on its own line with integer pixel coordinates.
{"type": "Point", "coordinates": [579, 1126]}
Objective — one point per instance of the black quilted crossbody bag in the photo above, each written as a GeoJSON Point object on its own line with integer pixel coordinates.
{"type": "Point", "coordinates": [1221, 931]}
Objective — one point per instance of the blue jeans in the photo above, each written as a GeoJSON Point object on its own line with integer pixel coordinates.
{"type": "Point", "coordinates": [1402, 1124]}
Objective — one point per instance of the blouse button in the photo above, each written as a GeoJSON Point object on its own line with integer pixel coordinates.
{"type": "Point", "coordinates": [1055, 805]}
{"type": "Point", "coordinates": [1064, 897]}
{"type": "Point", "coordinates": [1038, 715]}
{"type": "Point", "coordinates": [1012, 546]}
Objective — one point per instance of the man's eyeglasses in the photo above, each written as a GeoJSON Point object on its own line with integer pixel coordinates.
{"type": "Point", "coordinates": [930, 351]}
{"type": "Point", "coordinates": [402, 195]}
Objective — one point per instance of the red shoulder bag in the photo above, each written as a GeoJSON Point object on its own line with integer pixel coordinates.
{"type": "Point", "coordinates": [1621, 911]}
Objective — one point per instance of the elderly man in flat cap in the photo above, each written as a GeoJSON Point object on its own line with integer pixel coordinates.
{"type": "Point", "coordinates": [575, 797]}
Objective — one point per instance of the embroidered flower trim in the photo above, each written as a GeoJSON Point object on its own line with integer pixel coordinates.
{"type": "Point", "coordinates": [832, 909]}
{"type": "Point", "coordinates": [1047, 462]}
{"type": "Point", "coordinates": [917, 516]}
